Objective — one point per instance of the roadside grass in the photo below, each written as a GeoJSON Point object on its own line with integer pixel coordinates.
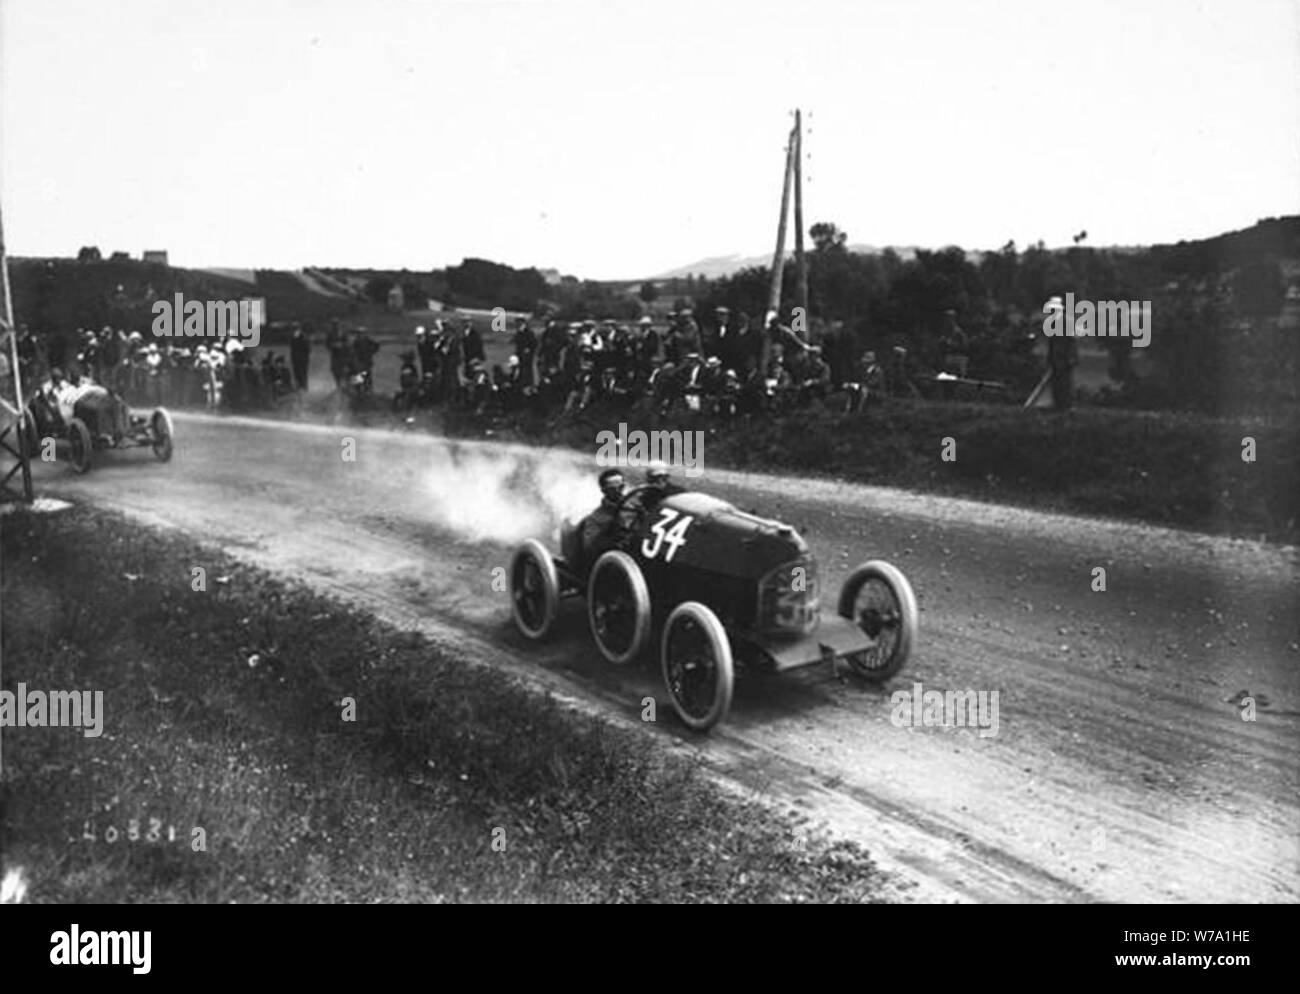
{"type": "Point", "coordinates": [224, 712]}
{"type": "Point", "coordinates": [1175, 470]}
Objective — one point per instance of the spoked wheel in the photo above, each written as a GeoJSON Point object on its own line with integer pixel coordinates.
{"type": "Point", "coordinates": [79, 445]}
{"type": "Point", "coordinates": [879, 600]}
{"type": "Point", "coordinates": [618, 607]}
{"type": "Point", "coordinates": [696, 660]}
{"type": "Point", "coordinates": [161, 425]}
{"type": "Point", "coordinates": [534, 590]}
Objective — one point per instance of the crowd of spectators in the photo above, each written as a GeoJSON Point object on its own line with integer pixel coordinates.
{"type": "Point", "coordinates": [727, 368]}
{"type": "Point", "coordinates": [212, 373]}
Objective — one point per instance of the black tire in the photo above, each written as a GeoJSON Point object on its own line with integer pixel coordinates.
{"type": "Point", "coordinates": [80, 447]}
{"type": "Point", "coordinates": [534, 590]}
{"type": "Point", "coordinates": [618, 607]}
{"type": "Point", "coordinates": [160, 425]}
{"type": "Point", "coordinates": [695, 659]}
{"type": "Point", "coordinates": [889, 617]}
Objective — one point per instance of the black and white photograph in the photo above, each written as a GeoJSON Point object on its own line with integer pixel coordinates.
{"type": "Point", "coordinates": [559, 452]}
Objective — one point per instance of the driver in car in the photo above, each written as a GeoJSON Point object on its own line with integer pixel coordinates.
{"type": "Point", "coordinates": [658, 485]}
{"type": "Point", "coordinates": [602, 528]}
{"type": "Point", "coordinates": [103, 413]}
{"type": "Point", "coordinates": [661, 484]}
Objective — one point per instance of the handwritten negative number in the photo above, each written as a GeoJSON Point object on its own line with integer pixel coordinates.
{"type": "Point", "coordinates": [673, 538]}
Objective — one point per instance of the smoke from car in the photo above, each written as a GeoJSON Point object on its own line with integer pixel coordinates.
{"type": "Point", "coordinates": [503, 495]}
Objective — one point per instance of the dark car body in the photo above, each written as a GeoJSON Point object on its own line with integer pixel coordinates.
{"type": "Point", "coordinates": [724, 588]}
{"type": "Point", "coordinates": [757, 574]}
{"type": "Point", "coordinates": [91, 428]}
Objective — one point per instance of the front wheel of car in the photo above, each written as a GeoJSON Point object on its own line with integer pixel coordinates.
{"type": "Point", "coordinates": [161, 423]}
{"type": "Point", "coordinates": [878, 599]}
{"type": "Point", "coordinates": [79, 445]}
{"type": "Point", "coordinates": [618, 607]}
{"type": "Point", "coordinates": [534, 590]}
{"type": "Point", "coordinates": [695, 656]}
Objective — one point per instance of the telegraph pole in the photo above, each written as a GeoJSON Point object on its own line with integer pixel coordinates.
{"type": "Point", "coordinates": [801, 263]}
{"type": "Point", "coordinates": [13, 440]}
{"type": "Point", "coordinates": [778, 258]}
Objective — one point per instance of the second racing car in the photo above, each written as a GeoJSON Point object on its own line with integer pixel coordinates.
{"type": "Point", "coordinates": [88, 418]}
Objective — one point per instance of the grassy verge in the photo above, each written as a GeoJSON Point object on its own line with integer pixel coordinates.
{"type": "Point", "coordinates": [1175, 470]}
{"type": "Point", "coordinates": [224, 711]}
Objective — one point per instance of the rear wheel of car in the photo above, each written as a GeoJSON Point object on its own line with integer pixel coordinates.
{"type": "Point", "coordinates": [534, 590]}
{"type": "Point", "coordinates": [79, 445]}
{"type": "Point", "coordinates": [878, 599]}
{"type": "Point", "coordinates": [695, 656]}
{"type": "Point", "coordinates": [618, 607]}
{"type": "Point", "coordinates": [161, 423]}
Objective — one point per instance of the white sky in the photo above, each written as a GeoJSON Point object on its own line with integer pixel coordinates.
{"type": "Point", "coordinates": [617, 140]}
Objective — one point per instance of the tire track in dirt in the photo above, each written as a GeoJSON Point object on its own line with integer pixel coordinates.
{"type": "Point", "coordinates": [1119, 772]}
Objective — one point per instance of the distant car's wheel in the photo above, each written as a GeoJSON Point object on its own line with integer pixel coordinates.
{"type": "Point", "coordinates": [618, 607]}
{"type": "Point", "coordinates": [534, 589]}
{"type": "Point", "coordinates": [879, 600]}
{"type": "Point", "coordinates": [695, 656]}
{"type": "Point", "coordinates": [161, 425]}
{"type": "Point", "coordinates": [79, 445]}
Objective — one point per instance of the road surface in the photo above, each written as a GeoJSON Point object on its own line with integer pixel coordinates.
{"type": "Point", "coordinates": [1121, 769]}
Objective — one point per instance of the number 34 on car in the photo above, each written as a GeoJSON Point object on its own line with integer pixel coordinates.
{"type": "Point", "coordinates": [718, 590]}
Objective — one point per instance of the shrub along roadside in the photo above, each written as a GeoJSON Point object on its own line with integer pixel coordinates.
{"type": "Point", "coordinates": [1170, 469]}
{"type": "Point", "coordinates": [1175, 470]}
{"type": "Point", "coordinates": [224, 712]}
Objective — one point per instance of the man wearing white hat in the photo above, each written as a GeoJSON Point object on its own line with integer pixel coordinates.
{"type": "Point", "coordinates": [1061, 357]}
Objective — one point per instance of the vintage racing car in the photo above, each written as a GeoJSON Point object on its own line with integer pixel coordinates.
{"type": "Point", "coordinates": [724, 589]}
{"type": "Point", "coordinates": [85, 434]}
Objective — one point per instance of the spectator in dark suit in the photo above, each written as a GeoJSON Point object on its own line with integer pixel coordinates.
{"type": "Point", "coordinates": [526, 349]}
{"type": "Point", "coordinates": [955, 345]}
{"type": "Point", "coordinates": [299, 357]}
{"type": "Point", "coordinates": [1062, 354]}
{"type": "Point", "coordinates": [339, 350]}
{"type": "Point", "coordinates": [868, 385]}
{"type": "Point", "coordinates": [472, 346]}
{"type": "Point", "coordinates": [727, 342]}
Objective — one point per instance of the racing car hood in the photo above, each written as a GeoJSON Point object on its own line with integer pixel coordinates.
{"type": "Point", "coordinates": [727, 540]}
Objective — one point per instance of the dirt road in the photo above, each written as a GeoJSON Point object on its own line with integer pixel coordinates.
{"type": "Point", "coordinates": [1121, 768]}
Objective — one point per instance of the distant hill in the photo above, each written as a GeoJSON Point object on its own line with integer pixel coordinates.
{"type": "Point", "coordinates": [717, 266]}
{"type": "Point", "coordinates": [61, 293]}
{"type": "Point", "coordinates": [1277, 236]}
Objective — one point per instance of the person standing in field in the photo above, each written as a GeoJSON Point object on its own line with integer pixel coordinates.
{"type": "Point", "coordinates": [955, 344]}
{"type": "Point", "coordinates": [526, 350]}
{"type": "Point", "coordinates": [1062, 354]}
{"type": "Point", "coordinates": [338, 346]}
{"type": "Point", "coordinates": [472, 346]}
{"type": "Point", "coordinates": [299, 357]}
